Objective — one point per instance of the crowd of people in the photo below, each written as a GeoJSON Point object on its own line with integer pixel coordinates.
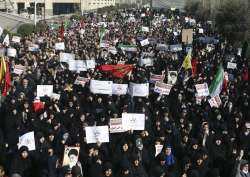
{"type": "Point", "coordinates": [198, 140]}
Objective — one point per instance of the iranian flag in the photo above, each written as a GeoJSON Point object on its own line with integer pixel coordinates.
{"type": "Point", "coordinates": [216, 86]}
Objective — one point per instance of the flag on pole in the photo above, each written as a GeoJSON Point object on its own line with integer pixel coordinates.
{"type": "Point", "coordinates": [194, 67]}
{"type": "Point", "coordinates": [119, 70]}
{"type": "Point", "coordinates": [6, 40]}
{"type": "Point", "coordinates": [225, 81]}
{"type": "Point", "coordinates": [61, 31]}
{"type": "Point", "coordinates": [7, 81]}
{"type": "Point", "coordinates": [187, 62]}
{"type": "Point", "coordinates": [2, 69]}
{"type": "Point", "coordinates": [216, 86]}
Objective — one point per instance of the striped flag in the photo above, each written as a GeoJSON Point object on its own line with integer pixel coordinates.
{"type": "Point", "coordinates": [216, 86]}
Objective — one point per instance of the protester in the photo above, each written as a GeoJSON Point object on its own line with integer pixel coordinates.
{"type": "Point", "coordinates": [188, 100]}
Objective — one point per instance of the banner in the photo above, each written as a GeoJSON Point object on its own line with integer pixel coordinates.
{"type": "Point", "coordinates": [70, 156]}
{"type": "Point", "coordinates": [81, 81]}
{"type": "Point", "coordinates": [65, 57]}
{"type": "Point", "coordinates": [90, 64]}
{"type": "Point", "coordinates": [215, 101]}
{"type": "Point", "coordinates": [231, 65]}
{"type": "Point", "coordinates": [128, 48]}
{"type": "Point", "coordinates": [16, 39]}
{"type": "Point", "coordinates": [11, 52]}
{"type": "Point", "coordinates": [158, 149]}
{"type": "Point", "coordinates": [119, 89]}
{"type": "Point", "coordinates": [19, 69]}
{"type": "Point", "coordinates": [162, 88]}
{"type": "Point", "coordinates": [72, 65]}
{"type": "Point", "coordinates": [154, 78]}
{"type": "Point", "coordinates": [80, 65]}
{"type": "Point", "coordinates": [187, 36]}
{"type": "Point", "coordinates": [101, 87]}
{"type": "Point", "coordinates": [140, 90]}
{"type": "Point", "coordinates": [42, 90]}
{"type": "Point", "coordinates": [172, 77]}
{"type": "Point", "coordinates": [175, 48]}
{"type": "Point", "coordinates": [132, 121]}
{"type": "Point", "coordinates": [115, 125]}
{"type": "Point", "coordinates": [162, 47]}
{"type": "Point", "coordinates": [33, 47]}
{"type": "Point", "coordinates": [60, 46]}
{"type": "Point", "coordinates": [97, 134]}
{"type": "Point", "coordinates": [202, 89]}
{"type": "Point", "coordinates": [28, 139]}
{"type": "Point", "coordinates": [144, 42]}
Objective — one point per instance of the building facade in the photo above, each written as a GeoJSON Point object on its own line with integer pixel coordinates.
{"type": "Point", "coordinates": [57, 7]}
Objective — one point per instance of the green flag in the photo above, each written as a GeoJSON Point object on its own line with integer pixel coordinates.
{"type": "Point", "coordinates": [216, 86]}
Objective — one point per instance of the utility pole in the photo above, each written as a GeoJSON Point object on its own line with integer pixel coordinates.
{"type": "Point", "coordinates": [151, 4]}
{"type": "Point", "coordinates": [35, 13]}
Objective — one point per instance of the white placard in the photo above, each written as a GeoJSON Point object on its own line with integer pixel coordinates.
{"type": "Point", "coordinates": [6, 40]}
{"type": "Point", "coordinates": [231, 65]}
{"type": "Point", "coordinates": [65, 57]}
{"type": "Point", "coordinates": [60, 46]}
{"type": "Point", "coordinates": [172, 77]}
{"type": "Point", "coordinates": [145, 42]}
{"type": "Point", "coordinates": [158, 149]}
{"type": "Point", "coordinates": [81, 81]}
{"type": "Point", "coordinates": [90, 64]}
{"type": "Point", "coordinates": [43, 90]}
{"type": "Point", "coordinates": [145, 29]}
{"type": "Point", "coordinates": [146, 61]}
{"type": "Point", "coordinates": [80, 65]}
{"type": "Point", "coordinates": [112, 50]}
{"type": "Point", "coordinates": [33, 47]}
{"type": "Point", "coordinates": [11, 52]}
{"type": "Point", "coordinates": [70, 156]}
{"type": "Point", "coordinates": [215, 102]}
{"type": "Point", "coordinates": [162, 47]}
{"type": "Point", "coordinates": [97, 134]}
{"type": "Point", "coordinates": [28, 139]}
{"type": "Point", "coordinates": [72, 65]}
{"type": "Point", "coordinates": [19, 69]}
{"type": "Point", "coordinates": [202, 89]}
{"type": "Point", "coordinates": [119, 89]}
{"type": "Point", "coordinates": [115, 125]}
{"type": "Point", "coordinates": [55, 96]}
{"type": "Point", "coordinates": [201, 30]}
{"type": "Point", "coordinates": [101, 87]}
{"type": "Point", "coordinates": [16, 39]}
{"type": "Point", "coordinates": [1, 31]}
{"type": "Point", "coordinates": [140, 90]}
{"type": "Point", "coordinates": [132, 121]}
{"type": "Point", "coordinates": [162, 88]}
{"type": "Point", "coordinates": [175, 48]}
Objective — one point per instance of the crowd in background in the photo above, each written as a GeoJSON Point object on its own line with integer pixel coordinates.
{"type": "Point", "coordinates": [198, 140]}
